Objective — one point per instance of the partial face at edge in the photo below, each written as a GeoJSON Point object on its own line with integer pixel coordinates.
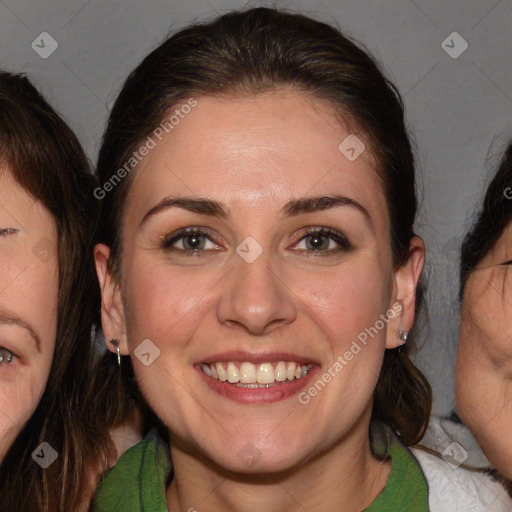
{"type": "Point", "coordinates": [28, 304]}
{"type": "Point", "coordinates": [303, 296]}
{"type": "Point", "coordinates": [484, 359]}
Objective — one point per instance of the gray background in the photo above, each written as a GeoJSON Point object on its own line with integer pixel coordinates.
{"type": "Point", "coordinates": [459, 109]}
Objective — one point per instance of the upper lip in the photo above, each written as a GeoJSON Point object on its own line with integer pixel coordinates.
{"type": "Point", "coordinates": [255, 357]}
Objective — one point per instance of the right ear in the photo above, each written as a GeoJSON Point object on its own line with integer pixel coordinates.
{"type": "Point", "coordinates": [112, 313]}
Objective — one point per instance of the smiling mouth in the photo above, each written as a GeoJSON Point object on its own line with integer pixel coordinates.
{"type": "Point", "coordinates": [262, 375]}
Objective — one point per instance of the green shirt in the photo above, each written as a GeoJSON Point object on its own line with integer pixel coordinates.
{"type": "Point", "coordinates": [137, 482]}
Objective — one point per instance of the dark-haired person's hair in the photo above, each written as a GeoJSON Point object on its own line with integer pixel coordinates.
{"type": "Point", "coordinates": [491, 220]}
{"type": "Point", "coordinates": [46, 159]}
{"type": "Point", "coordinates": [262, 49]}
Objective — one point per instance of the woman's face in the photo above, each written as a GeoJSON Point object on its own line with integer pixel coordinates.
{"type": "Point", "coordinates": [484, 360]}
{"type": "Point", "coordinates": [28, 304]}
{"type": "Point", "coordinates": [262, 295]}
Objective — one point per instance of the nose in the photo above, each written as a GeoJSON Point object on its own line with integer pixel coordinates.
{"type": "Point", "coordinates": [256, 297]}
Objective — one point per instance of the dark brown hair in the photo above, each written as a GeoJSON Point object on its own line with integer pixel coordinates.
{"type": "Point", "coordinates": [492, 219]}
{"type": "Point", "coordinates": [46, 159]}
{"type": "Point", "coordinates": [251, 51]}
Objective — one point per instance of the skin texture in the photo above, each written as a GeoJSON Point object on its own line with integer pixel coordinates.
{"type": "Point", "coordinates": [484, 360]}
{"type": "Point", "coordinates": [254, 154]}
{"type": "Point", "coordinates": [28, 293]}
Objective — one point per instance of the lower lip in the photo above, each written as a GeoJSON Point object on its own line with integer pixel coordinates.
{"type": "Point", "coordinates": [258, 395]}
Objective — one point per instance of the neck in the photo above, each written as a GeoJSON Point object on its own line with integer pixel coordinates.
{"type": "Point", "coordinates": [346, 475]}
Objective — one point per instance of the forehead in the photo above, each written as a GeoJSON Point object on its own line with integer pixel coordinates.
{"type": "Point", "coordinates": [18, 208]}
{"type": "Point", "coordinates": [257, 149]}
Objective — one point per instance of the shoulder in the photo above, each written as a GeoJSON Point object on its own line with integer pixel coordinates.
{"type": "Point", "coordinates": [453, 487]}
{"type": "Point", "coordinates": [137, 479]}
{"type": "Point", "coordinates": [124, 437]}
{"type": "Point", "coordinates": [406, 488]}
{"type": "Point", "coordinates": [407, 478]}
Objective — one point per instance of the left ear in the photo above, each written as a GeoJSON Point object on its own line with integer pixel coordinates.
{"type": "Point", "coordinates": [406, 280]}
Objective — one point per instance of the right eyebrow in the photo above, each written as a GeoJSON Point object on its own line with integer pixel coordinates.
{"type": "Point", "coordinates": [9, 319]}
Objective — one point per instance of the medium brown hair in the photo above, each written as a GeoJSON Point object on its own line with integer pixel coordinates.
{"type": "Point", "coordinates": [46, 159]}
{"type": "Point", "coordinates": [260, 49]}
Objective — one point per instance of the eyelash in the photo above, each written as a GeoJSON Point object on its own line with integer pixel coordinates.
{"type": "Point", "coordinates": [6, 355]}
{"type": "Point", "coordinates": [339, 238]}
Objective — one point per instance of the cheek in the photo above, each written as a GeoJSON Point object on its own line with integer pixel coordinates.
{"type": "Point", "coordinates": [348, 307]}
{"type": "Point", "coordinates": [485, 317]}
{"type": "Point", "coordinates": [21, 391]}
{"type": "Point", "coordinates": [347, 301]}
{"type": "Point", "coordinates": [24, 382]}
{"type": "Point", "coordinates": [161, 302]}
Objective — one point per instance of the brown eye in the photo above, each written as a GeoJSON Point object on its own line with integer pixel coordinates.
{"type": "Point", "coordinates": [192, 240]}
{"type": "Point", "coordinates": [317, 241]}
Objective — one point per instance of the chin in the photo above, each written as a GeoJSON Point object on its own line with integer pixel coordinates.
{"type": "Point", "coordinates": [254, 457]}
{"type": "Point", "coordinates": [250, 461]}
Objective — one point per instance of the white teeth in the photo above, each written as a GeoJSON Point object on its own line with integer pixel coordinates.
{"type": "Point", "coordinates": [249, 375]}
{"type": "Point", "coordinates": [280, 371]}
{"type": "Point", "coordinates": [290, 371]}
{"type": "Point", "coordinates": [221, 372]}
{"type": "Point", "coordinates": [233, 375]}
{"type": "Point", "coordinates": [265, 374]}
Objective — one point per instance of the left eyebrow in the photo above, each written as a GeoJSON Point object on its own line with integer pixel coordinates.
{"type": "Point", "coordinates": [292, 208]}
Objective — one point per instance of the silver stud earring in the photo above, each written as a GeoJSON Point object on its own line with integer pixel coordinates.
{"type": "Point", "coordinates": [402, 335]}
{"type": "Point", "coordinates": [115, 342]}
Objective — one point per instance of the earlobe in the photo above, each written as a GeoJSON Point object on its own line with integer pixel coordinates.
{"type": "Point", "coordinates": [396, 333]}
{"type": "Point", "coordinates": [406, 279]}
{"type": "Point", "coordinates": [112, 312]}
